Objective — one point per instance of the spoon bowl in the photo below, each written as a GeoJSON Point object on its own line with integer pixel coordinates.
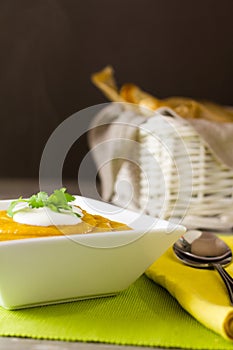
{"type": "Point", "coordinates": [215, 258]}
{"type": "Point", "coordinates": [183, 248]}
{"type": "Point", "coordinates": [201, 263]}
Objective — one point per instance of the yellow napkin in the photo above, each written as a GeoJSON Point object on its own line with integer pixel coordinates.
{"type": "Point", "coordinates": [200, 292]}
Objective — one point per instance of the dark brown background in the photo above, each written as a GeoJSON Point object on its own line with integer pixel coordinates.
{"type": "Point", "coordinates": [50, 48]}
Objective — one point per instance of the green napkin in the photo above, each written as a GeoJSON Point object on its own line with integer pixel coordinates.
{"type": "Point", "coordinates": [144, 314]}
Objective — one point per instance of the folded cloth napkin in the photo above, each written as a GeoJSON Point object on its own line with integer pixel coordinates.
{"type": "Point", "coordinates": [119, 121]}
{"type": "Point", "coordinates": [108, 131]}
{"type": "Point", "coordinates": [200, 292]}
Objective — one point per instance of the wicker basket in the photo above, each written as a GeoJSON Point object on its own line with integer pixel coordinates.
{"type": "Point", "coordinates": [179, 176]}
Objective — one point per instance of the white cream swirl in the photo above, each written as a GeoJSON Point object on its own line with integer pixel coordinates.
{"type": "Point", "coordinates": [46, 217]}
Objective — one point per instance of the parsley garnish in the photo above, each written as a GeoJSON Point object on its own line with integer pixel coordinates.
{"type": "Point", "coordinates": [58, 201]}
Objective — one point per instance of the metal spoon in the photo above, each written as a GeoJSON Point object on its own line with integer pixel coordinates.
{"type": "Point", "coordinates": [205, 250]}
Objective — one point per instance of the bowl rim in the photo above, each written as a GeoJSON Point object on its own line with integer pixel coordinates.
{"type": "Point", "coordinates": [151, 224]}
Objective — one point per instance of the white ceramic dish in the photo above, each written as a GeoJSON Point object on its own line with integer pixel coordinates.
{"type": "Point", "coordinates": [49, 270]}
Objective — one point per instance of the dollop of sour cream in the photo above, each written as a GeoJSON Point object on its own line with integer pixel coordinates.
{"type": "Point", "coordinates": [47, 217]}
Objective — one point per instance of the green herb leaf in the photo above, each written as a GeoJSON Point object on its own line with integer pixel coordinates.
{"type": "Point", "coordinates": [38, 200]}
{"type": "Point", "coordinates": [57, 201]}
{"type": "Point", "coordinates": [10, 210]}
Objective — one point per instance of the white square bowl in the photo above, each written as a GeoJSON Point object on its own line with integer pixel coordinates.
{"type": "Point", "coordinates": [40, 271]}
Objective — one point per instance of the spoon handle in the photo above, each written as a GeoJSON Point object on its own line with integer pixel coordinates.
{"type": "Point", "coordinates": [227, 279]}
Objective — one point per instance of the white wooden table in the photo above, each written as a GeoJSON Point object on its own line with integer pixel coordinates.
{"type": "Point", "coordinates": [32, 344]}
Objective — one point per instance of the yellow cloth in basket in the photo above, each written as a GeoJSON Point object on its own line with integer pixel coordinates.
{"type": "Point", "coordinates": [200, 292]}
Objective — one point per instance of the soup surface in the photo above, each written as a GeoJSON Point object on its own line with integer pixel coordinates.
{"type": "Point", "coordinates": [11, 230]}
